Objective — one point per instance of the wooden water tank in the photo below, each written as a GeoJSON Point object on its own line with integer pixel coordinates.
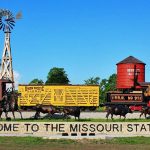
{"type": "Point", "coordinates": [127, 70]}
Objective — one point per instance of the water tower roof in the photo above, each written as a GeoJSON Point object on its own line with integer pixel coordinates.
{"type": "Point", "coordinates": [131, 60]}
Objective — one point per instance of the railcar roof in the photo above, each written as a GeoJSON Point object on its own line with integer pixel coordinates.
{"type": "Point", "coordinates": [56, 85]}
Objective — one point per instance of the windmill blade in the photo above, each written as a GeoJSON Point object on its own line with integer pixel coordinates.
{"type": "Point", "coordinates": [1, 27]}
{"type": "Point", "coordinates": [10, 14]}
{"type": "Point", "coordinates": [4, 27]}
{"type": "Point", "coordinates": [11, 27]}
{"type": "Point", "coordinates": [12, 19]}
{"type": "Point", "coordinates": [11, 23]}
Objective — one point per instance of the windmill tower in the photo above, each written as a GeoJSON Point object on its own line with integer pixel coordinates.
{"type": "Point", "coordinates": [7, 22]}
{"type": "Point", "coordinates": [6, 64]}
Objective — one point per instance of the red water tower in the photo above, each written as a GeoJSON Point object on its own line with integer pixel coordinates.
{"type": "Point", "coordinates": [130, 71]}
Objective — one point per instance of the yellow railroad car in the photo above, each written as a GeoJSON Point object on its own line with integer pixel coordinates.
{"type": "Point", "coordinates": [58, 95]}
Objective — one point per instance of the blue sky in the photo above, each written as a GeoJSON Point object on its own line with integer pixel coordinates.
{"type": "Point", "coordinates": [85, 37]}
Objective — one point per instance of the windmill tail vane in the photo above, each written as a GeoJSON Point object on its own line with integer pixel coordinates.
{"type": "Point", "coordinates": [19, 15]}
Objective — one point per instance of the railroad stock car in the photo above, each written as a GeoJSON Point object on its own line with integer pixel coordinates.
{"type": "Point", "coordinates": [84, 96]}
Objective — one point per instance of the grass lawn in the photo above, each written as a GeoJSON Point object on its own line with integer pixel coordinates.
{"type": "Point", "coordinates": [32, 143]}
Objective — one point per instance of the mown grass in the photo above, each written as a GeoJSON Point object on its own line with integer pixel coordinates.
{"type": "Point", "coordinates": [130, 140]}
{"type": "Point", "coordinates": [32, 141]}
{"type": "Point", "coordinates": [35, 143]}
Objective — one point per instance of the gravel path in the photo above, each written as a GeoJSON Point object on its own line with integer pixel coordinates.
{"type": "Point", "coordinates": [84, 115]}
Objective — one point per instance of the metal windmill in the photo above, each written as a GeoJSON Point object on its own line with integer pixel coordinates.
{"type": "Point", "coordinates": [7, 22]}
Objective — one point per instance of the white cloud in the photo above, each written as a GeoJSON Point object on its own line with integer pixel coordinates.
{"type": "Point", "coordinates": [16, 78]}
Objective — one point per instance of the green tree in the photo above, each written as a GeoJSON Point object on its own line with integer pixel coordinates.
{"type": "Point", "coordinates": [106, 86]}
{"type": "Point", "coordinates": [92, 81]}
{"type": "Point", "coordinates": [57, 76]}
{"type": "Point", "coordinates": [36, 81]}
{"type": "Point", "coordinates": [103, 92]}
{"type": "Point", "coordinates": [112, 82]}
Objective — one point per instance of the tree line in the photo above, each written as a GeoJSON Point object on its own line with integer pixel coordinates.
{"type": "Point", "coordinates": [59, 76]}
